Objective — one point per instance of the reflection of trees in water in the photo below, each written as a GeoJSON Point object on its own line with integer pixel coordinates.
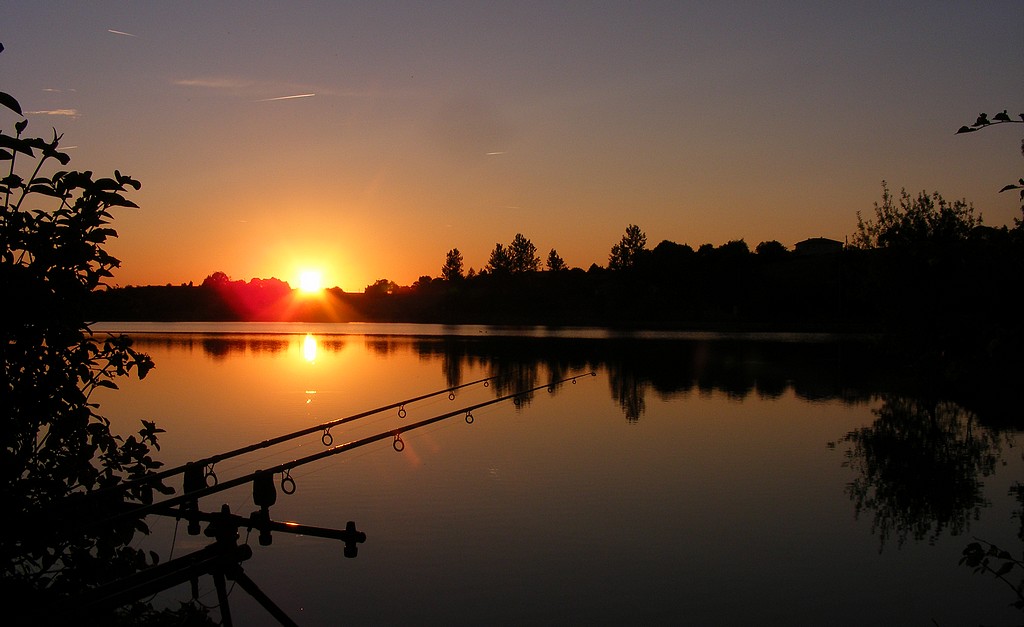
{"type": "Point", "coordinates": [637, 366]}
{"type": "Point", "coordinates": [919, 467]}
{"type": "Point", "coordinates": [330, 344]}
{"type": "Point", "coordinates": [738, 368]}
{"type": "Point", "coordinates": [382, 345]}
{"type": "Point", "coordinates": [452, 368]}
{"type": "Point", "coordinates": [220, 347]}
{"type": "Point", "coordinates": [515, 365]}
{"type": "Point", "coordinates": [629, 390]}
{"type": "Point", "coordinates": [514, 377]}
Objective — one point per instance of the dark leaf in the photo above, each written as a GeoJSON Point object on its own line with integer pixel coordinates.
{"type": "Point", "coordinates": [145, 367]}
{"type": "Point", "coordinates": [1002, 117]}
{"type": "Point", "coordinates": [1005, 568]}
{"type": "Point", "coordinates": [108, 185]}
{"type": "Point", "coordinates": [965, 129]}
{"type": "Point", "coordinates": [20, 126]}
{"type": "Point", "coordinates": [111, 199]}
{"type": "Point", "coordinates": [45, 190]}
{"type": "Point", "coordinates": [982, 120]}
{"type": "Point", "coordinates": [100, 235]}
{"type": "Point", "coordinates": [8, 101]}
{"type": "Point", "coordinates": [124, 179]}
{"type": "Point", "coordinates": [1008, 187]}
{"type": "Point", "coordinates": [62, 157]}
{"type": "Point", "coordinates": [17, 145]}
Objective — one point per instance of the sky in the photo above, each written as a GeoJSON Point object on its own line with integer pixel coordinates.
{"type": "Point", "coordinates": [366, 139]}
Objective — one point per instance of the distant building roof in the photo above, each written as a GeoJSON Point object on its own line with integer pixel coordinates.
{"type": "Point", "coordinates": [818, 246]}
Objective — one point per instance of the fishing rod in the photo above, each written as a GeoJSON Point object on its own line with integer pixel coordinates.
{"type": "Point", "coordinates": [199, 473]}
{"type": "Point", "coordinates": [263, 489]}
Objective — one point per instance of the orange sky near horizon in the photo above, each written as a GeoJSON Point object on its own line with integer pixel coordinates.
{"type": "Point", "coordinates": [365, 140]}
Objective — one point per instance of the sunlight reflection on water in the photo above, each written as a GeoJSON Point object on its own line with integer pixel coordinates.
{"type": "Point", "coordinates": [309, 348]}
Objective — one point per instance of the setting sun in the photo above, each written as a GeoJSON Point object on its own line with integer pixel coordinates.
{"type": "Point", "coordinates": [309, 281]}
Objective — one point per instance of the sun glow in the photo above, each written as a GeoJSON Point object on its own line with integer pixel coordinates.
{"type": "Point", "coordinates": [310, 281]}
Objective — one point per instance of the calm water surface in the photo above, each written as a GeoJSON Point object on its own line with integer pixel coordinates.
{"type": "Point", "coordinates": [695, 479]}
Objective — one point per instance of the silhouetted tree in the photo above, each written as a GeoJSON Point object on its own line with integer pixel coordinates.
{"type": "Point", "coordinates": [217, 279]}
{"type": "Point", "coordinates": [915, 221]}
{"type": "Point", "coordinates": [56, 450]}
{"type": "Point", "coordinates": [628, 251]}
{"type": "Point", "coordinates": [522, 255]}
{"type": "Point", "coordinates": [381, 287]}
{"type": "Point", "coordinates": [771, 250]}
{"type": "Point", "coordinates": [671, 253]}
{"type": "Point", "coordinates": [452, 268]}
{"type": "Point", "coordinates": [733, 249]}
{"type": "Point", "coordinates": [500, 261]}
{"type": "Point", "coordinates": [423, 282]}
{"type": "Point", "coordinates": [555, 263]}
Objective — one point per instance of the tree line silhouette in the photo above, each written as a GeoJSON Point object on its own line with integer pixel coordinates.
{"type": "Point", "coordinates": [922, 267]}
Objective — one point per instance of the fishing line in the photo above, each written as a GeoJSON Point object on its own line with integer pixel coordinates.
{"type": "Point", "coordinates": [170, 556]}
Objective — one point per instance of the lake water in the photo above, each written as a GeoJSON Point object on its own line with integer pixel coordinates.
{"type": "Point", "coordinates": [696, 479]}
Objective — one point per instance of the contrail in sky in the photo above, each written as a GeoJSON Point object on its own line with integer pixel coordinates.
{"type": "Point", "coordinates": [71, 113]}
{"type": "Point", "coordinates": [120, 32]}
{"type": "Point", "coordinates": [286, 97]}
{"type": "Point", "coordinates": [499, 152]}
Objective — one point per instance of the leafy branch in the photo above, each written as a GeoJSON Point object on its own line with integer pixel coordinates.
{"type": "Point", "coordinates": [1000, 118]}
{"type": "Point", "coordinates": [983, 121]}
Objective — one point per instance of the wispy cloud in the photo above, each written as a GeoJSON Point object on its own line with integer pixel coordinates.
{"type": "Point", "coordinates": [54, 90]}
{"type": "Point", "coordinates": [286, 97]}
{"type": "Point", "coordinates": [120, 32]}
{"type": "Point", "coordinates": [212, 83]}
{"type": "Point", "coordinates": [497, 152]}
{"type": "Point", "coordinates": [71, 113]}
